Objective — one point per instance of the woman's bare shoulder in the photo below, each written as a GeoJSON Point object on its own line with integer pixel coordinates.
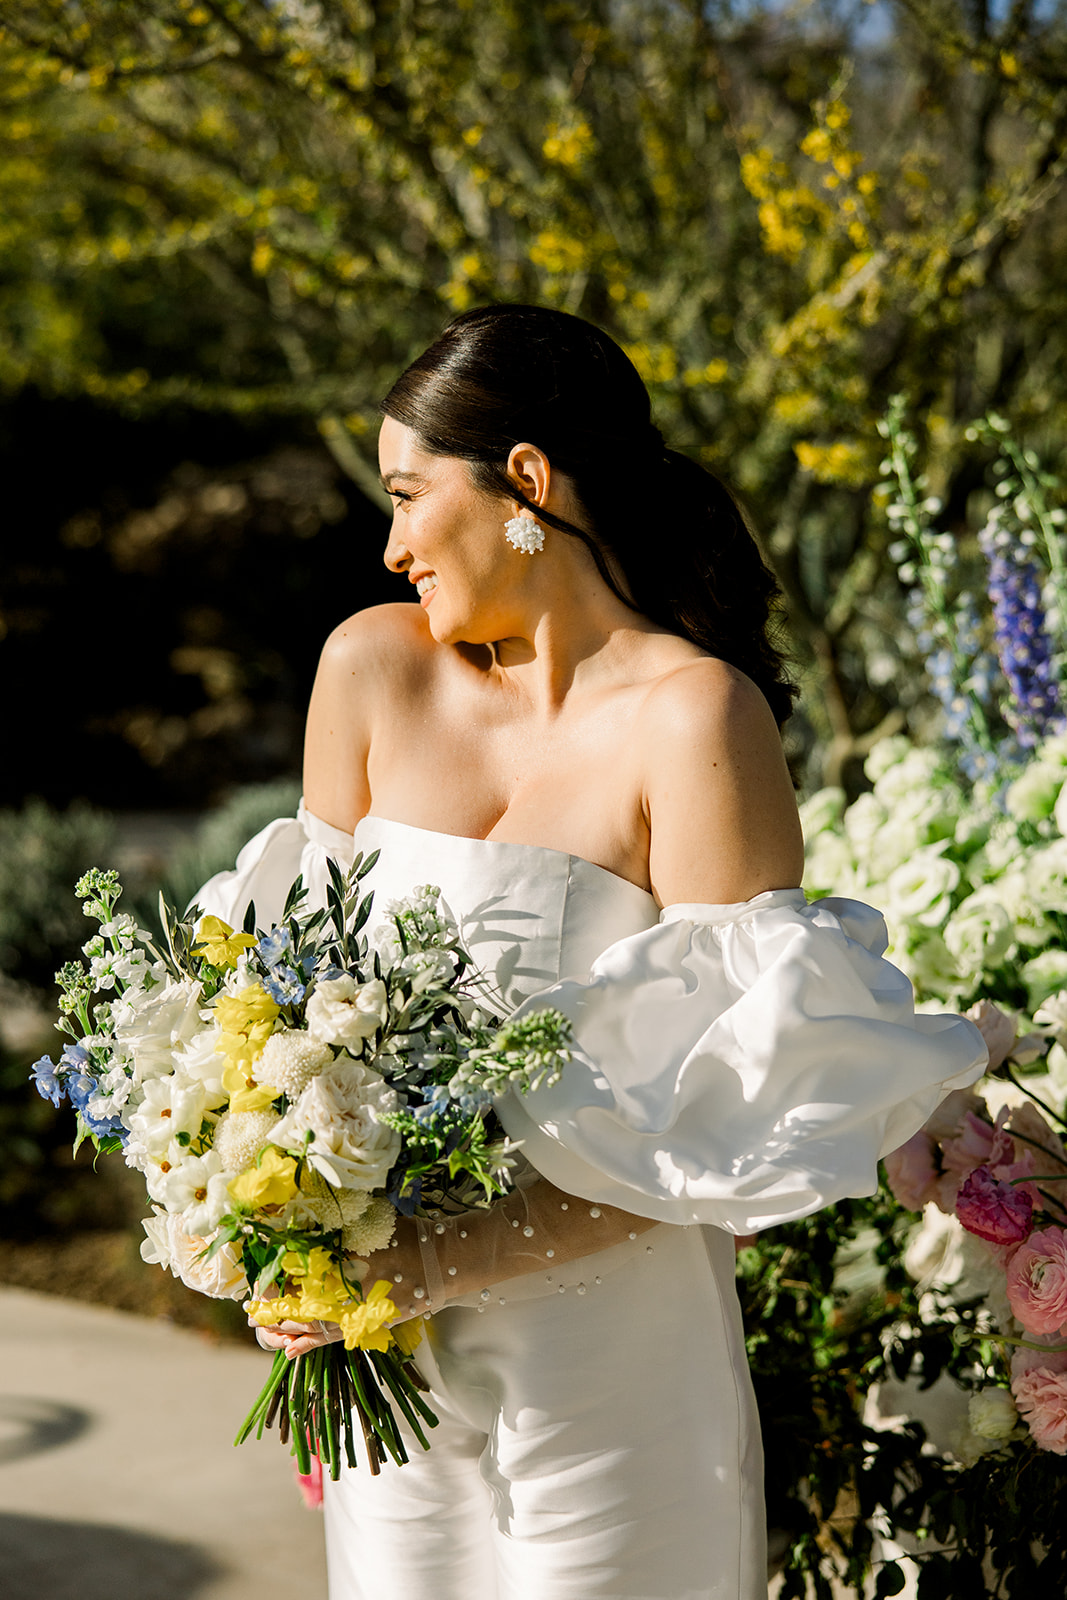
{"type": "Point", "coordinates": [384, 638]}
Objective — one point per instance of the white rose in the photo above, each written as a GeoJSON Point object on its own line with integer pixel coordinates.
{"type": "Point", "coordinates": [155, 1025]}
{"type": "Point", "coordinates": [342, 1012]}
{"type": "Point", "coordinates": [920, 889]}
{"type": "Point", "coordinates": [980, 934]}
{"type": "Point", "coordinates": [169, 1246]}
{"type": "Point", "coordinates": [335, 1122]}
{"type": "Point", "coordinates": [992, 1413]}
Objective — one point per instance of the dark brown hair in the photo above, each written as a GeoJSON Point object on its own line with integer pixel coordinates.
{"type": "Point", "coordinates": [510, 374]}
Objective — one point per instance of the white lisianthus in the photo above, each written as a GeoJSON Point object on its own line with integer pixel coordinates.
{"type": "Point", "coordinates": [168, 1107]}
{"type": "Point", "coordinates": [930, 965]}
{"type": "Point", "coordinates": [161, 1021]}
{"type": "Point", "coordinates": [918, 771]}
{"type": "Point", "coordinates": [1044, 976]}
{"type": "Point", "coordinates": [168, 1245]}
{"type": "Point", "coordinates": [885, 754]}
{"type": "Point", "coordinates": [335, 1123]}
{"type": "Point", "coordinates": [290, 1059]}
{"type": "Point", "coordinates": [864, 819]}
{"type": "Point", "coordinates": [1033, 795]}
{"type": "Point", "coordinates": [921, 888]}
{"type": "Point", "coordinates": [829, 865]}
{"type": "Point", "coordinates": [992, 1413]}
{"type": "Point", "coordinates": [980, 933]}
{"type": "Point", "coordinates": [342, 1012]}
{"type": "Point", "coordinates": [822, 811]}
{"type": "Point", "coordinates": [1046, 875]}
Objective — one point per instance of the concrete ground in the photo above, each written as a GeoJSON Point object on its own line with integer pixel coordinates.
{"type": "Point", "coordinates": [118, 1476]}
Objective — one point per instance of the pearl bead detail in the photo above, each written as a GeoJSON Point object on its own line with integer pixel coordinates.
{"type": "Point", "coordinates": [463, 1233]}
{"type": "Point", "coordinates": [598, 1280]}
{"type": "Point", "coordinates": [399, 1278]}
{"type": "Point", "coordinates": [420, 1294]}
{"type": "Point", "coordinates": [525, 534]}
{"type": "Point", "coordinates": [527, 1232]}
{"type": "Point", "coordinates": [451, 1272]}
{"type": "Point", "coordinates": [550, 1254]}
{"type": "Point", "coordinates": [581, 1288]}
{"type": "Point", "coordinates": [440, 1228]}
{"type": "Point", "coordinates": [563, 1206]}
{"type": "Point", "coordinates": [485, 1295]}
{"type": "Point", "coordinates": [632, 1236]}
{"type": "Point", "coordinates": [594, 1211]}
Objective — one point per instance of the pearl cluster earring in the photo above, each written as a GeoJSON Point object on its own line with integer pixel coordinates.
{"type": "Point", "coordinates": [525, 533]}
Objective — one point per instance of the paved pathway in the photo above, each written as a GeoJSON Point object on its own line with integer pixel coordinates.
{"type": "Point", "coordinates": [118, 1477]}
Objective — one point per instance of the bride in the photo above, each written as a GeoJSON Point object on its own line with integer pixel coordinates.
{"type": "Point", "coordinates": [575, 733]}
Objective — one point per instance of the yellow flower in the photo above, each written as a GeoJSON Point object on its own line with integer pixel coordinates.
{"type": "Point", "coordinates": [271, 1183]}
{"type": "Point", "coordinates": [364, 1325]}
{"type": "Point", "coordinates": [408, 1335]}
{"type": "Point", "coordinates": [247, 1021]}
{"type": "Point", "coordinates": [244, 1092]}
{"type": "Point", "coordinates": [218, 942]}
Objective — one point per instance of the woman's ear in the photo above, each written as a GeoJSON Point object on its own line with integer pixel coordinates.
{"type": "Point", "coordinates": [529, 469]}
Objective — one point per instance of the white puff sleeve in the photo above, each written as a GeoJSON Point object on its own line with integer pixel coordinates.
{"type": "Point", "coordinates": [740, 1065]}
{"type": "Point", "coordinates": [270, 863]}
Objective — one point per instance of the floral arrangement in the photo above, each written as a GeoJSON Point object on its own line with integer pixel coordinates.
{"type": "Point", "coordinates": [286, 1093]}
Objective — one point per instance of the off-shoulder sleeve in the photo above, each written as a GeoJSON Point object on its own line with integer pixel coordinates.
{"type": "Point", "coordinates": [740, 1065]}
{"type": "Point", "coordinates": [270, 862]}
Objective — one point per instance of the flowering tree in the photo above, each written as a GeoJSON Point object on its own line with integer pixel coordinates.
{"type": "Point", "coordinates": [265, 206]}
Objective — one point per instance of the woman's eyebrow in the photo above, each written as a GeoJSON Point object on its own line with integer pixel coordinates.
{"type": "Point", "coordinates": [390, 478]}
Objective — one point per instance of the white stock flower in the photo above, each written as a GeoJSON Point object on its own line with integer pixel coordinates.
{"type": "Point", "coordinates": [168, 1107]}
{"type": "Point", "coordinates": [150, 1030]}
{"type": "Point", "coordinates": [241, 1135]}
{"type": "Point", "coordinates": [342, 1012]}
{"type": "Point", "coordinates": [168, 1245]}
{"type": "Point", "coordinates": [920, 890]}
{"type": "Point", "coordinates": [335, 1122]}
{"type": "Point", "coordinates": [980, 934]}
{"type": "Point", "coordinates": [992, 1413]}
{"type": "Point", "coordinates": [290, 1059]}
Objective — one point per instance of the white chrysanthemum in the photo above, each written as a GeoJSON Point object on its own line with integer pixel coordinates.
{"type": "Point", "coordinates": [240, 1135]}
{"type": "Point", "coordinates": [289, 1060]}
{"type": "Point", "coordinates": [371, 1231]}
{"type": "Point", "coordinates": [319, 1202]}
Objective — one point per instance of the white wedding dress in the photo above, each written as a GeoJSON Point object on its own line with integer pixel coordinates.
{"type": "Point", "coordinates": [735, 1067]}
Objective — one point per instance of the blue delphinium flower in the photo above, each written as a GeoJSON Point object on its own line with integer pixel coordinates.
{"type": "Point", "coordinates": [45, 1074]}
{"type": "Point", "coordinates": [274, 946]}
{"type": "Point", "coordinates": [283, 985]}
{"type": "Point", "coordinates": [82, 1087]}
{"type": "Point", "coordinates": [1023, 644]}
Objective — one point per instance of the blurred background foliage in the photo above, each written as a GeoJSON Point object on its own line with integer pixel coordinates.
{"type": "Point", "coordinates": [248, 214]}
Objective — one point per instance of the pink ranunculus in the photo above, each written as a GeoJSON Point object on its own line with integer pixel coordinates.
{"type": "Point", "coordinates": [1052, 1357]}
{"type": "Point", "coordinates": [1037, 1282]}
{"type": "Point", "coordinates": [947, 1120]}
{"type": "Point", "coordinates": [971, 1146]}
{"type": "Point", "coordinates": [993, 1210]}
{"type": "Point", "coordinates": [1041, 1396]}
{"type": "Point", "coordinates": [912, 1172]}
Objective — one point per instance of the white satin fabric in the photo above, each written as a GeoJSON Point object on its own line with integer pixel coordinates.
{"type": "Point", "coordinates": [736, 1066]}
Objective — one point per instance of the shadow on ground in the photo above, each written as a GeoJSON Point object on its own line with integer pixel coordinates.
{"type": "Point", "coordinates": [44, 1559]}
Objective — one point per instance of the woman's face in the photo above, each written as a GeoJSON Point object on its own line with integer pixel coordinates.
{"type": "Point", "coordinates": [448, 537]}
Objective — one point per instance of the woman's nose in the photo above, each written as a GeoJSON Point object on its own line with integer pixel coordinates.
{"type": "Point", "coordinates": [397, 556]}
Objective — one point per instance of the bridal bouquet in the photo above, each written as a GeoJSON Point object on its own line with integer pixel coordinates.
{"type": "Point", "coordinates": [1004, 1179]}
{"type": "Point", "coordinates": [286, 1093]}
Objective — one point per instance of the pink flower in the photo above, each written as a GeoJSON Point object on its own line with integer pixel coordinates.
{"type": "Point", "coordinates": [912, 1173]}
{"type": "Point", "coordinates": [1051, 1359]}
{"type": "Point", "coordinates": [1041, 1396]}
{"type": "Point", "coordinates": [997, 1029]}
{"type": "Point", "coordinates": [971, 1147]}
{"type": "Point", "coordinates": [1037, 1282]}
{"type": "Point", "coordinates": [993, 1210]}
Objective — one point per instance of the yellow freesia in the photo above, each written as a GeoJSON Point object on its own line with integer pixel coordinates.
{"type": "Point", "coordinates": [271, 1183]}
{"type": "Point", "coordinates": [408, 1335]}
{"type": "Point", "coordinates": [247, 1020]}
{"type": "Point", "coordinates": [218, 942]}
{"type": "Point", "coordinates": [364, 1325]}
